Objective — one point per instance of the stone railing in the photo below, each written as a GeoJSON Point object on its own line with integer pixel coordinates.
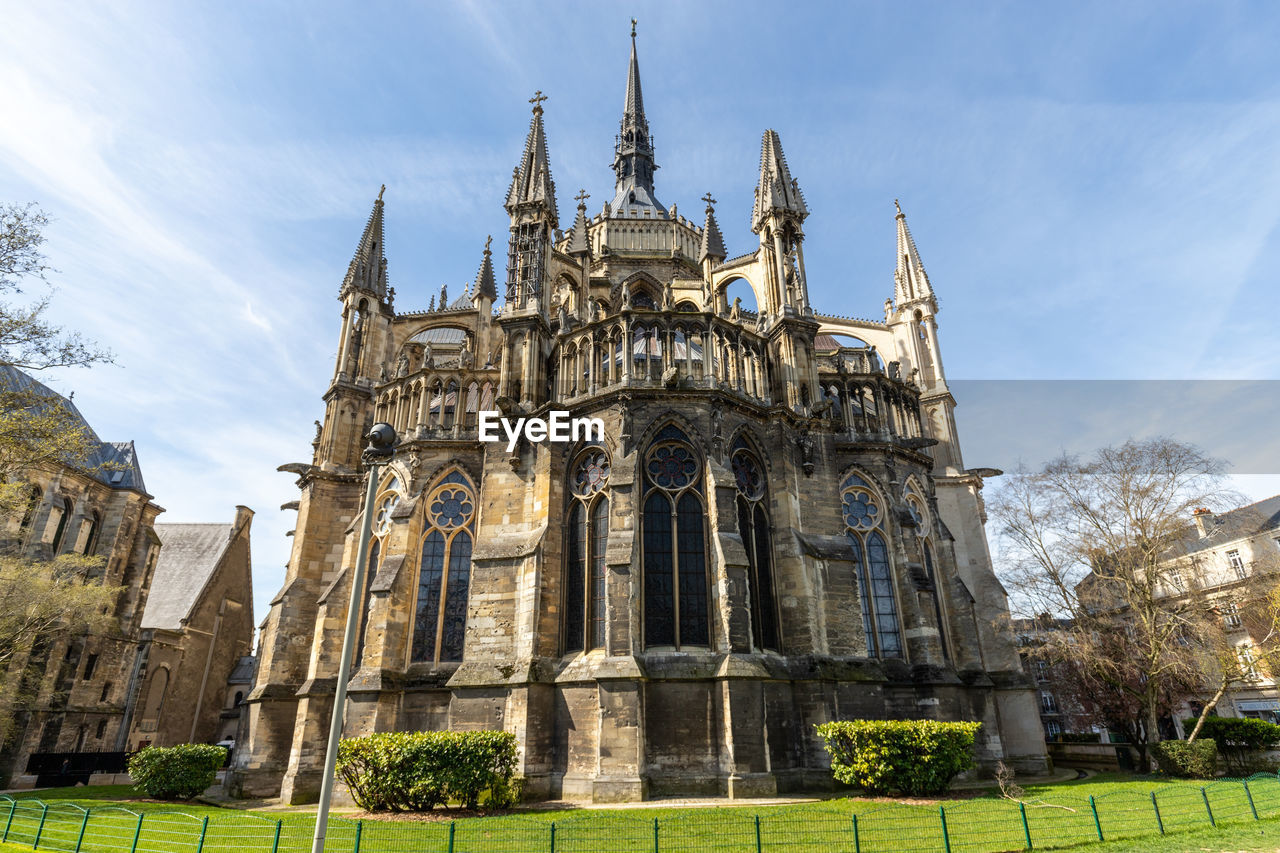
{"type": "Point", "coordinates": [441, 404]}
{"type": "Point", "coordinates": [662, 349]}
{"type": "Point", "coordinates": [865, 401]}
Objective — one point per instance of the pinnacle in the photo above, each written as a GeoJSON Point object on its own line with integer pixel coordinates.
{"type": "Point", "coordinates": [712, 240]}
{"type": "Point", "coordinates": [777, 190]}
{"type": "Point", "coordinates": [911, 282]}
{"type": "Point", "coordinates": [368, 267]}
{"type": "Point", "coordinates": [485, 284]}
{"type": "Point", "coordinates": [531, 181]}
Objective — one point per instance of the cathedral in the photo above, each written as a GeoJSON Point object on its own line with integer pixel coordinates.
{"type": "Point", "coordinates": [776, 529]}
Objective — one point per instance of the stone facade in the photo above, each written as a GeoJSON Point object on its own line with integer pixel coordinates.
{"type": "Point", "coordinates": [776, 530]}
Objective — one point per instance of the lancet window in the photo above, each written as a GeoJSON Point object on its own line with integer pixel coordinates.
{"type": "Point", "coordinates": [924, 530]}
{"type": "Point", "coordinates": [444, 571]}
{"type": "Point", "coordinates": [754, 527]}
{"type": "Point", "coordinates": [587, 538]}
{"type": "Point", "coordinates": [864, 520]}
{"type": "Point", "coordinates": [674, 544]}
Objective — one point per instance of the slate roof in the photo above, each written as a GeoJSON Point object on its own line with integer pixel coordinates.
{"type": "Point", "coordinates": [242, 673]}
{"type": "Point", "coordinates": [124, 473]}
{"type": "Point", "coordinates": [1251, 520]}
{"type": "Point", "coordinates": [189, 554]}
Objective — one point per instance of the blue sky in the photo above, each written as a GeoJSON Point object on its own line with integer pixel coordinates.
{"type": "Point", "coordinates": [1093, 187]}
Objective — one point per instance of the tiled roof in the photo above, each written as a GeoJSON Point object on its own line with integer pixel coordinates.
{"type": "Point", "coordinates": [189, 555]}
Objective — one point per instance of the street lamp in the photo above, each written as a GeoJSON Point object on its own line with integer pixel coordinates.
{"type": "Point", "coordinates": [382, 441]}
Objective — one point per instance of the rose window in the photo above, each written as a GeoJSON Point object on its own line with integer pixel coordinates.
{"type": "Point", "coordinates": [672, 467]}
{"type": "Point", "coordinates": [860, 511]}
{"type": "Point", "coordinates": [451, 508]}
{"type": "Point", "coordinates": [592, 474]}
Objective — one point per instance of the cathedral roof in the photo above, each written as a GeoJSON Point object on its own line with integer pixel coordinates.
{"type": "Point", "coordinates": [114, 463]}
{"type": "Point", "coordinates": [189, 556]}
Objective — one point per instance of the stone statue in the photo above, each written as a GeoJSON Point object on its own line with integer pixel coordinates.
{"type": "Point", "coordinates": [465, 358]}
{"type": "Point", "coordinates": [842, 366]}
{"type": "Point", "coordinates": [805, 442]}
{"type": "Point", "coordinates": [668, 297]}
{"type": "Point", "coordinates": [382, 373]}
{"type": "Point", "coordinates": [760, 320]}
{"type": "Point", "coordinates": [428, 360]}
{"type": "Point", "coordinates": [316, 441]}
{"type": "Point", "coordinates": [563, 317]}
{"type": "Point", "coordinates": [402, 366]}
{"type": "Point", "coordinates": [736, 314]}
{"type": "Point", "coordinates": [626, 296]}
{"type": "Point", "coordinates": [444, 296]}
{"type": "Point", "coordinates": [895, 370]}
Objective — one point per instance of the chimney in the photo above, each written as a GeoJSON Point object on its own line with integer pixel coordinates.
{"type": "Point", "coordinates": [1205, 520]}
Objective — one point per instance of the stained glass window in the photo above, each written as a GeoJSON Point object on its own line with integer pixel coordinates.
{"type": "Point", "coordinates": [864, 519]}
{"type": "Point", "coordinates": [444, 572]}
{"type": "Point", "coordinates": [674, 540]}
{"type": "Point", "coordinates": [753, 526]}
{"type": "Point", "coordinates": [587, 538]}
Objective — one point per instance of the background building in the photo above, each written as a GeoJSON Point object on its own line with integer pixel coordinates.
{"type": "Point", "coordinates": [80, 693]}
{"type": "Point", "coordinates": [777, 529]}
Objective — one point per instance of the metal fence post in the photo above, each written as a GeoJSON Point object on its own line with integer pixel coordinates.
{"type": "Point", "coordinates": [84, 824]}
{"type": "Point", "coordinates": [857, 846]}
{"type": "Point", "coordinates": [204, 830]}
{"type": "Point", "coordinates": [359, 831]}
{"type": "Point", "coordinates": [1156, 806]}
{"type": "Point", "coordinates": [13, 804]}
{"type": "Point", "coordinates": [655, 835]}
{"type": "Point", "coordinates": [1249, 794]}
{"type": "Point", "coordinates": [452, 826]}
{"type": "Point", "coordinates": [1026, 828]}
{"type": "Point", "coordinates": [946, 839]}
{"type": "Point", "coordinates": [40, 830]}
{"type": "Point", "coordinates": [1096, 823]}
{"type": "Point", "coordinates": [136, 834]}
{"type": "Point", "coordinates": [1205, 794]}
{"type": "Point", "coordinates": [275, 845]}
{"type": "Point", "coordinates": [759, 847]}
{"type": "Point", "coordinates": [553, 836]}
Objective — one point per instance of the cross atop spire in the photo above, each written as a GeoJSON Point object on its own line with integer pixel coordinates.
{"type": "Point", "coordinates": [485, 284]}
{"type": "Point", "coordinates": [711, 202]}
{"type": "Point", "coordinates": [531, 182]}
{"type": "Point", "coordinates": [712, 241]}
{"type": "Point", "coordinates": [633, 150]}
{"type": "Point", "coordinates": [911, 282]}
{"type": "Point", "coordinates": [581, 198]}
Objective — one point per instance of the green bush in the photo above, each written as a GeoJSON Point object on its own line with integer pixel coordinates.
{"type": "Point", "coordinates": [910, 756]}
{"type": "Point", "coordinates": [417, 771]}
{"type": "Point", "coordinates": [1240, 741]}
{"type": "Point", "coordinates": [176, 772]}
{"type": "Point", "coordinates": [1195, 760]}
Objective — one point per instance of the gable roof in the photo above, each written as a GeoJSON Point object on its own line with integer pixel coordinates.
{"type": "Point", "coordinates": [189, 555]}
{"type": "Point", "coordinates": [1251, 520]}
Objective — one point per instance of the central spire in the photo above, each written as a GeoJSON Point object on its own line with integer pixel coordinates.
{"type": "Point", "coordinates": [633, 152]}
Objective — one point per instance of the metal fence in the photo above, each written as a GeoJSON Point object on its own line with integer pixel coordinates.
{"type": "Point", "coordinates": [985, 824]}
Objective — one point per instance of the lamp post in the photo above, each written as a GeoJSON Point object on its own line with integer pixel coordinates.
{"type": "Point", "coordinates": [382, 440]}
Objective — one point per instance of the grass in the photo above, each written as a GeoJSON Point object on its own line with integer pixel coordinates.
{"type": "Point", "coordinates": [1057, 816]}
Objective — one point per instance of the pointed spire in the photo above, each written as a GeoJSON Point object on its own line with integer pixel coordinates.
{"type": "Point", "coordinates": [531, 181]}
{"type": "Point", "coordinates": [368, 268]}
{"type": "Point", "coordinates": [911, 282]}
{"type": "Point", "coordinates": [712, 241]}
{"type": "Point", "coordinates": [579, 242]}
{"type": "Point", "coordinates": [485, 284]}
{"type": "Point", "coordinates": [633, 162]}
{"type": "Point", "coordinates": [777, 190]}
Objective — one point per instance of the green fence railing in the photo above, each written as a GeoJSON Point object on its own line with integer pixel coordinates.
{"type": "Point", "coordinates": [978, 825]}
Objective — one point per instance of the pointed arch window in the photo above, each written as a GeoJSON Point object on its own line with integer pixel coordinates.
{"type": "Point", "coordinates": [444, 572]}
{"type": "Point", "coordinates": [60, 514]}
{"type": "Point", "coordinates": [588, 535]}
{"type": "Point", "coordinates": [674, 544]}
{"type": "Point", "coordinates": [924, 529]}
{"type": "Point", "coordinates": [864, 520]}
{"type": "Point", "coordinates": [754, 527]}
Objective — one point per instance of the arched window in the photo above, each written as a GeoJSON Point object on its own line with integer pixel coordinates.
{"type": "Point", "coordinates": [60, 513]}
{"type": "Point", "coordinates": [864, 514]}
{"type": "Point", "coordinates": [642, 299]}
{"type": "Point", "coordinates": [88, 536]}
{"type": "Point", "coordinates": [753, 525]}
{"type": "Point", "coordinates": [32, 505]}
{"type": "Point", "coordinates": [588, 535]}
{"type": "Point", "coordinates": [674, 544]}
{"type": "Point", "coordinates": [444, 572]}
{"type": "Point", "coordinates": [924, 529]}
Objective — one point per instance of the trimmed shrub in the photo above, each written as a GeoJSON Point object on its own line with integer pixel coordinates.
{"type": "Point", "coordinates": [1195, 760]}
{"type": "Point", "coordinates": [907, 756]}
{"type": "Point", "coordinates": [180, 772]}
{"type": "Point", "coordinates": [417, 771]}
{"type": "Point", "coordinates": [1240, 740]}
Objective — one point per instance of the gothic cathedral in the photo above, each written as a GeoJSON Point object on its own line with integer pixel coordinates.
{"type": "Point", "coordinates": [777, 529]}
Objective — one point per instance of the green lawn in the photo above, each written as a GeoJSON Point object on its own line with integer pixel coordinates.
{"type": "Point", "coordinates": [1056, 816]}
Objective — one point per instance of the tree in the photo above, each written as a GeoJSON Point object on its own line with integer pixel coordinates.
{"type": "Point", "coordinates": [40, 600]}
{"type": "Point", "coordinates": [1094, 544]}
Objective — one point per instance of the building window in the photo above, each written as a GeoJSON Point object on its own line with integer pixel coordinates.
{"type": "Point", "coordinates": [58, 520]}
{"type": "Point", "coordinates": [155, 699]}
{"type": "Point", "coordinates": [1231, 615]}
{"type": "Point", "coordinates": [1248, 663]}
{"type": "Point", "coordinates": [106, 692]}
{"type": "Point", "coordinates": [1052, 730]}
{"type": "Point", "coordinates": [102, 729]}
{"type": "Point", "coordinates": [674, 544]}
{"type": "Point", "coordinates": [34, 504]}
{"type": "Point", "coordinates": [1042, 670]}
{"type": "Point", "coordinates": [444, 572]}
{"type": "Point", "coordinates": [865, 528]}
{"type": "Point", "coordinates": [1233, 557]}
{"type": "Point", "coordinates": [754, 527]}
{"type": "Point", "coordinates": [1048, 704]}
{"type": "Point", "coordinates": [87, 538]}
{"type": "Point", "coordinates": [587, 539]}
{"type": "Point", "coordinates": [90, 664]}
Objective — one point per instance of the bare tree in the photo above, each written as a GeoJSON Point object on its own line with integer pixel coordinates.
{"type": "Point", "coordinates": [1089, 542]}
